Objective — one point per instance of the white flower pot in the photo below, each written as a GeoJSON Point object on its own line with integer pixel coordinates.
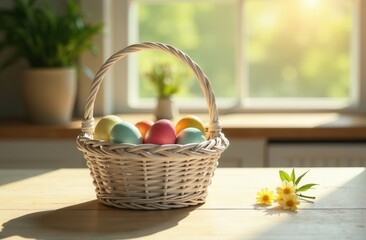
{"type": "Point", "coordinates": [49, 94]}
{"type": "Point", "coordinates": [166, 109]}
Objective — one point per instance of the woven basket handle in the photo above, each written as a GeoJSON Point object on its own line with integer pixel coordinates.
{"type": "Point", "coordinates": [214, 127]}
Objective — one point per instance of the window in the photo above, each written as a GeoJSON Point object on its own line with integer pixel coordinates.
{"type": "Point", "coordinates": [206, 31]}
{"type": "Point", "coordinates": [269, 53]}
{"type": "Point", "coordinates": [299, 50]}
{"type": "Point", "coordinates": [258, 54]}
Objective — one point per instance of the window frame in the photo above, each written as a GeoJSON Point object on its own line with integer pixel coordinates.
{"type": "Point", "coordinates": [121, 31]}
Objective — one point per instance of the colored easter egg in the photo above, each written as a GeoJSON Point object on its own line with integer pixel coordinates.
{"type": "Point", "coordinates": [125, 132]}
{"type": "Point", "coordinates": [190, 135]}
{"type": "Point", "coordinates": [161, 132]}
{"type": "Point", "coordinates": [104, 126]}
{"type": "Point", "coordinates": [189, 121]}
{"type": "Point", "coordinates": [143, 127]}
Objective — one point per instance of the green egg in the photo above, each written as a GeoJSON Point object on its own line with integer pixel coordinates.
{"type": "Point", "coordinates": [125, 132]}
{"type": "Point", "coordinates": [190, 135]}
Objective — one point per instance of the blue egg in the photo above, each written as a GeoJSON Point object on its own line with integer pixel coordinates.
{"type": "Point", "coordinates": [190, 135]}
{"type": "Point", "coordinates": [125, 132]}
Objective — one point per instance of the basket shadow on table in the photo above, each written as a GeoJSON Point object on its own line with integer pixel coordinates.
{"type": "Point", "coordinates": [93, 220]}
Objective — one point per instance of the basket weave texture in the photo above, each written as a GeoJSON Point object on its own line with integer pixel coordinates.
{"type": "Point", "coordinates": [149, 176]}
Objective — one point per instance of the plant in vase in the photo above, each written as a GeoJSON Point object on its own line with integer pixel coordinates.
{"type": "Point", "coordinates": [51, 43]}
{"type": "Point", "coordinates": [166, 85]}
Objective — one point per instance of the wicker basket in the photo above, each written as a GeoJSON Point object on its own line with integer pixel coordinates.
{"type": "Point", "coordinates": [149, 176]}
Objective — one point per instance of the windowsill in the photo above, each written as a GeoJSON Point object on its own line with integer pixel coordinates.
{"type": "Point", "coordinates": [269, 126]}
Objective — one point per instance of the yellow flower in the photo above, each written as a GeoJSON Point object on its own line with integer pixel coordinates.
{"type": "Point", "coordinates": [287, 188]}
{"type": "Point", "coordinates": [265, 197]}
{"type": "Point", "coordinates": [278, 198]}
{"type": "Point", "coordinates": [289, 201]}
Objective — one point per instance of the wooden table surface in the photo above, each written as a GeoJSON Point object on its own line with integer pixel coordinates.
{"type": "Point", "coordinates": [60, 204]}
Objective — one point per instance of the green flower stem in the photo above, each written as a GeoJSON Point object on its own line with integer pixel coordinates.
{"type": "Point", "coordinates": [306, 198]}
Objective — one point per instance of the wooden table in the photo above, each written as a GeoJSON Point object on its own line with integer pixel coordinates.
{"type": "Point", "coordinates": [60, 204]}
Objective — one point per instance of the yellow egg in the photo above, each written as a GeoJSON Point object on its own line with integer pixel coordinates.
{"type": "Point", "coordinates": [104, 127]}
{"type": "Point", "coordinates": [189, 121]}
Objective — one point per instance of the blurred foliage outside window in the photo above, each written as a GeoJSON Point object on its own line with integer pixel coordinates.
{"type": "Point", "coordinates": [291, 48]}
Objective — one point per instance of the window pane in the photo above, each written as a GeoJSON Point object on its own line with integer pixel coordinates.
{"type": "Point", "coordinates": [299, 49]}
{"type": "Point", "coordinates": [203, 30]}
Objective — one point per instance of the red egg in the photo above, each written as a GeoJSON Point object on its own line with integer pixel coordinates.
{"type": "Point", "coordinates": [161, 132]}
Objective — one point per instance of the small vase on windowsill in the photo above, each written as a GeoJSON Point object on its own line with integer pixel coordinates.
{"type": "Point", "coordinates": [167, 82]}
{"type": "Point", "coordinates": [166, 108]}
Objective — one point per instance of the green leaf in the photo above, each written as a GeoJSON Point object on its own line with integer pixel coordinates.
{"type": "Point", "coordinates": [298, 180]}
{"type": "Point", "coordinates": [305, 187]}
{"type": "Point", "coordinates": [161, 75]}
{"type": "Point", "coordinates": [44, 36]}
{"type": "Point", "coordinates": [293, 177]}
{"type": "Point", "coordinates": [284, 176]}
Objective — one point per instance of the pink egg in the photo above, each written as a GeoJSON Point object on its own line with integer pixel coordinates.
{"type": "Point", "coordinates": [161, 132]}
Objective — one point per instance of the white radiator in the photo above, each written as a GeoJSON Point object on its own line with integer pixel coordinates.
{"type": "Point", "coordinates": [317, 155]}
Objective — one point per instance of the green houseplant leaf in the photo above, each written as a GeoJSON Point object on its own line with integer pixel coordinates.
{"type": "Point", "coordinates": [43, 37]}
{"type": "Point", "coordinates": [165, 80]}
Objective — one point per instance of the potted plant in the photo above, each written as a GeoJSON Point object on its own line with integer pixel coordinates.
{"type": "Point", "coordinates": [51, 44]}
{"type": "Point", "coordinates": [167, 83]}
